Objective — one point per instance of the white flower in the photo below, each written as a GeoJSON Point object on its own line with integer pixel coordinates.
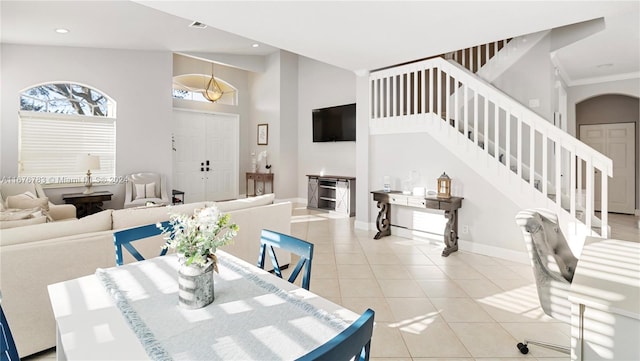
{"type": "Point", "coordinates": [198, 237]}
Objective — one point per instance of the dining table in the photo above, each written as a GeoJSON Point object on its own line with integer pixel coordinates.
{"type": "Point", "coordinates": [131, 312]}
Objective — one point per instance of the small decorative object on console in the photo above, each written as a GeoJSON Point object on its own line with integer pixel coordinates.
{"type": "Point", "coordinates": [444, 186]}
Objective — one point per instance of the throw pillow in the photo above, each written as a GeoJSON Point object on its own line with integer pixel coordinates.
{"type": "Point", "coordinates": [24, 201]}
{"type": "Point", "coordinates": [150, 190]}
{"type": "Point", "coordinates": [140, 191]}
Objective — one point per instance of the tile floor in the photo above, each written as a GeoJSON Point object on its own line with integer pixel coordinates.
{"type": "Point", "coordinates": [430, 308]}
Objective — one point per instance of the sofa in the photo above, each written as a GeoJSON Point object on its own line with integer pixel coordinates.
{"type": "Point", "coordinates": [34, 256]}
{"type": "Point", "coordinates": [23, 204]}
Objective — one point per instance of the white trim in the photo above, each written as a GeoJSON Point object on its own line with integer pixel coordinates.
{"type": "Point", "coordinates": [364, 226]}
{"type": "Point", "coordinates": [604, 79]}
{"type": "Point", "coordinates": [637, 212]}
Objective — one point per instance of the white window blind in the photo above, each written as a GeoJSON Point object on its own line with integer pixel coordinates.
{"type": "Point", "coordinates": [51, 143]}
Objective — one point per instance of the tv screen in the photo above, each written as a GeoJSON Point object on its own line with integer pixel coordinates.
{"type": "Point", "coordinates": [335, 124]}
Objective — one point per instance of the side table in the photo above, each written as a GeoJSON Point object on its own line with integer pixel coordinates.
{"type": "Point", "coordinates": [87, 204]}
{"type": "Point", "coordinates": [259, 179]}
{"type": "Point", "coordinates": [177, 197]}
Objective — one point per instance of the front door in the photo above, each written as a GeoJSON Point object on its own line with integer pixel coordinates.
{"type": "Point", "coordinates": [616, 141]}
{"type": "Point", "coordinates": [205, 155]}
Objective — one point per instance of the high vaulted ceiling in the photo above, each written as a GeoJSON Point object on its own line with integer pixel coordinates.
{"type": "Point", "coordinates": [354, 35]}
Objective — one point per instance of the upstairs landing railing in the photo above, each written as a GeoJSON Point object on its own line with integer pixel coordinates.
{"type": "Point", "coordinates": [488, 121]}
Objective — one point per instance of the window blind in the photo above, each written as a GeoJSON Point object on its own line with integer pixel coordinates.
{"type": "Point", "coordinates": [51, 143]}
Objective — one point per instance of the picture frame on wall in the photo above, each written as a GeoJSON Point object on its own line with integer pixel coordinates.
{"type": "Point", "coordinates": [263, 134]}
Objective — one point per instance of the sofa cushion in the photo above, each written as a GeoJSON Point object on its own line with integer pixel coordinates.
{"type": "Point", "coordinates": [243, 203]}
{"type": "Point", "coordinates": [96, 222]}
{"type": "Point", "coordinates": [132, 217]}
{"type": "Point", "coordinates": [23, 222]}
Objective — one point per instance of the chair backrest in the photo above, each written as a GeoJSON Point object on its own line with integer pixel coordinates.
{"type": "Point", "coordinates": [146, 178]}
{"type": "Point", "coordinates": [354, 343]}
{"type": "Point", "coordinates": [551, 258]}
{"type": "Point", "coordinates": [8, 350]}
{"type": "Point", "coordinates": [125, 237]}
{"type": "Point", "coordinates": [304, 249]}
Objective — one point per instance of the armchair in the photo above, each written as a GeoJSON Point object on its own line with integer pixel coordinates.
{"type": "Point", "coordinates": [56, 211]}
{"type": "Point", "coordinates": [553, 267]}
{"type": "Point", "coordinates": [146, 187]}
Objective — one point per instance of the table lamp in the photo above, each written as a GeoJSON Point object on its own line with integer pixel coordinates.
{"type": "Point", "coordinates": [88, 162]}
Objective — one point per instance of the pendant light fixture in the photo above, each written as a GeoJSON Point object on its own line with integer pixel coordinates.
{"type": "Point", "coordinates": [212, 92]}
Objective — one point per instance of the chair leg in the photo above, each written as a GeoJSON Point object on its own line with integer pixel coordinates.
{"type": "Point", "coordinates": [524, 349]}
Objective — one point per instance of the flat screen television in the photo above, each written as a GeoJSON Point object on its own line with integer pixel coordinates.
{"type": "Point", "coordinates": [335, 124]}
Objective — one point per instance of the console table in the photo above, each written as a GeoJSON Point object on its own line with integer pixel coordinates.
{"type": "Point", "coordinates": [87, 204]}
{"type": "Point", "coordinates": [448, 205]}
{"type": "Point", "coordinates": [257, 178]}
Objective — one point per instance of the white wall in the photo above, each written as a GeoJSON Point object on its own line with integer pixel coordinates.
{"type": "Point", "coordinates": [489, 215]}
{"type": "Point", "coordinates": [531, 77]}
{"type": "Point", "coordinates": [264, 108]}
{"type": "Point", "coordinates": [321, 85]}
{"type": "Point", "coordinates": [288, 127]}
{"type": "Point", "coordinates": [139, 81]}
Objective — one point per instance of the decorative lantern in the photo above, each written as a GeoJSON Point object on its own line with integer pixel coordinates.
{"type": "Point", "coordinates": [444, 186]}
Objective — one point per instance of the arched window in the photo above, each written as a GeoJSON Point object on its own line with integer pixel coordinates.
{"type": "Point", "coordinates": [59, 122]}
{"type": "Point", "coordinates": [190, 87]}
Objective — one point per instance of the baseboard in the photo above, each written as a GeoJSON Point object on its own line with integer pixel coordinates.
{"type": "Point", "coordinates": [463, 245]}
{"type": "Point", "coordinates": [364, 226]}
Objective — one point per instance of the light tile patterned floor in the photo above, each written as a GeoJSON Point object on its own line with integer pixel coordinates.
{"type": "Point", "coordinates": [464, 307]}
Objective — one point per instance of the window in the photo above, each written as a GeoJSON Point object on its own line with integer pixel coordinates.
{"type": "Point", "coordinates": [58, 123]}
{"type": "Point", "coordinates": [190, 86]}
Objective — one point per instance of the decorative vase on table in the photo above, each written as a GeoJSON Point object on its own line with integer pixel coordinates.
{"type": "Point", "coordinates": [195, 285]}
{"type": "Point", "coordinates": [196, 239]}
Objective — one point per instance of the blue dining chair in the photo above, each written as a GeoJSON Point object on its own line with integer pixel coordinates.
{"type": "Point", "coordinates": [354, 343]}
{"type": "Point", "coordinates": [270, 239]}
{"type": "Point", "coordinates": [125, 237]}
{"type": "Point", "coordinates": [8, 350]}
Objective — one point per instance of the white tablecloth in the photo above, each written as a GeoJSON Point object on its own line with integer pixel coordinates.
{"type": "Point", "coordinates": [251, 318]}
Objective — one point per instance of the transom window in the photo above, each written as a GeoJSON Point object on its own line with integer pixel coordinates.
{"type": "Point", "coordinates": [191, 86]}
{"type": "Point", "coordinates": [60, 122]}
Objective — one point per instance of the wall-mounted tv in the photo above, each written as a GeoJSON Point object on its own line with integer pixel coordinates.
{"type": "Point", "coordinates": [335, 124]}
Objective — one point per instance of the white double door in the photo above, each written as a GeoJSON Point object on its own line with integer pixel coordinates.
{"type": "Point", "coordinates": [205, 156]}
{"type": "Point", "coordinates": [616, 141]}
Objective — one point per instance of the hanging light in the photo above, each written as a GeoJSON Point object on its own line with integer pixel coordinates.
{"type": "Point", "coordinates": [212, 92]}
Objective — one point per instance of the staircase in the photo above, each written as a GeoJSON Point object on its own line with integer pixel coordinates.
{"type": "Point", "coordinates": [523, 155]}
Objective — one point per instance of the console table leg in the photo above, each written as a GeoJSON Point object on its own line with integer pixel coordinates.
{"type": "Point", "coordinates": [383, 222]}
{"type": "Point", "coordinates": [450, 233]}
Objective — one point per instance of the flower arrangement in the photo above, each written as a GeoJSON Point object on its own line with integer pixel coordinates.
{"type": "Point", "coordinates": [196, 238]}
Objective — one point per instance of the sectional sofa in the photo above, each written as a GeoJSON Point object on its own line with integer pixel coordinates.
{"type": "Point", "coordinates": [34, 256]}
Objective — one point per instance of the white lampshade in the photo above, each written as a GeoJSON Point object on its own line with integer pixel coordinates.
{"type": "Point", "coordinates": [88, 162]}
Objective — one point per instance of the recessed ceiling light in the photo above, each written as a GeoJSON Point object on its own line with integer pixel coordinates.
{"type": "Point", "coordinates": [255, 45]}
{"type": "Point", "coordinates": [607, 65]}
{"type": "Point", "coordinates": [197, 24]}
{"type": "Point", "coordinates": [62, 30]}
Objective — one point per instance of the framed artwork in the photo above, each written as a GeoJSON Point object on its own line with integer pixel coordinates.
{"type": "Point", "coordinates": [263, 134]}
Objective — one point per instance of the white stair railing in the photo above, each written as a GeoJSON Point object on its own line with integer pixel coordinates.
{"type": "Point", "coordinates": [474, 118]}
